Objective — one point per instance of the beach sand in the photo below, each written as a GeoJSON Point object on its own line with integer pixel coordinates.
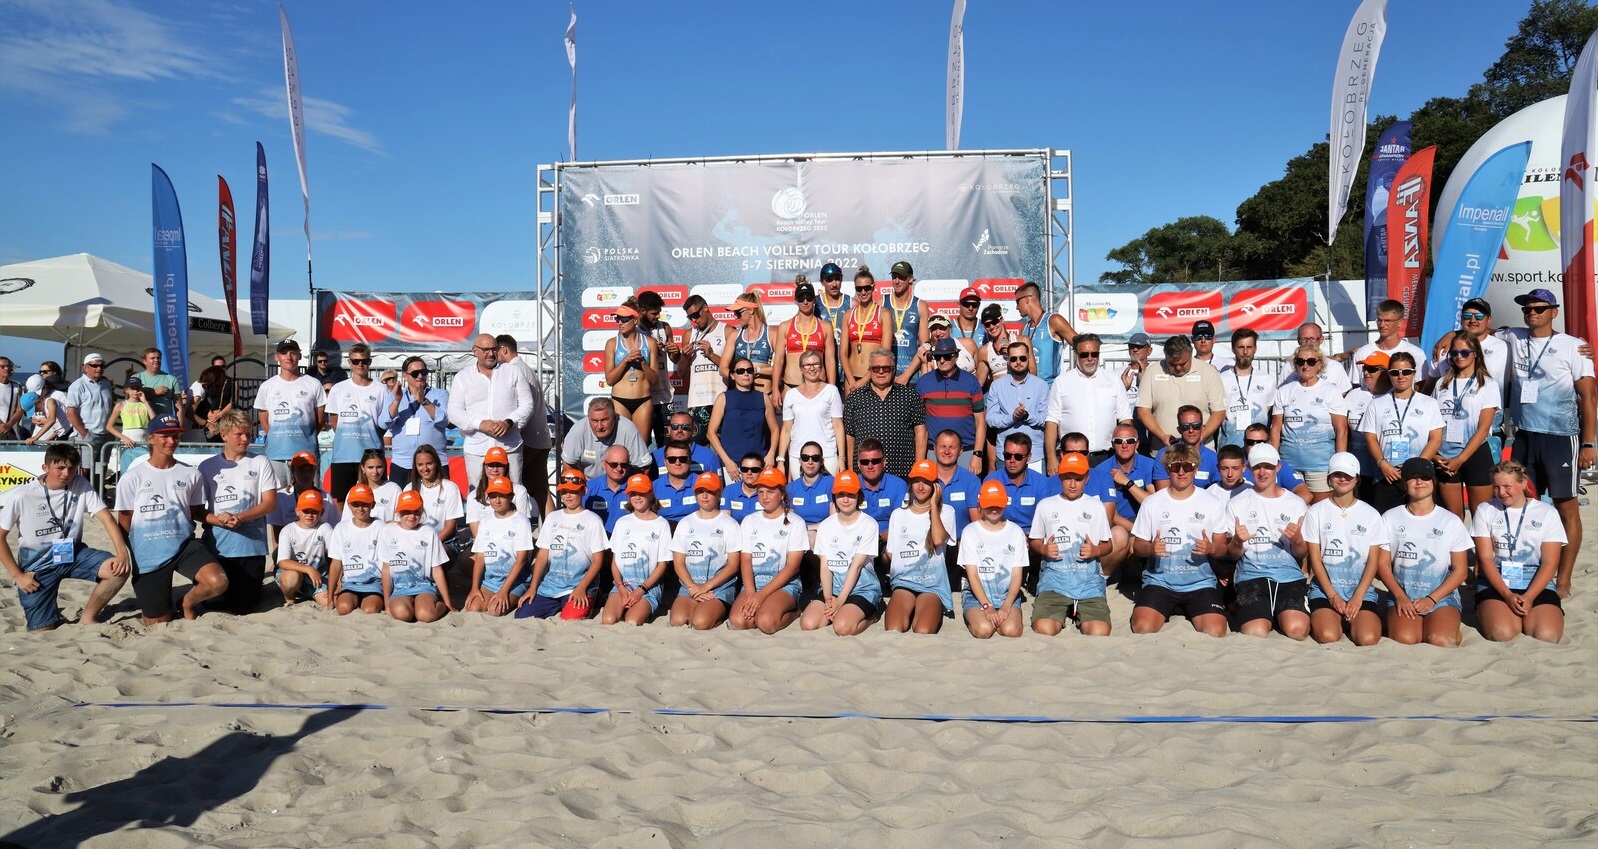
{"type": "Point", "coordinates": [734, 739]}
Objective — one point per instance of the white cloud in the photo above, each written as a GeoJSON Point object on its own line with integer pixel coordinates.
{"type": "Point", "coordinates": [321, 116]}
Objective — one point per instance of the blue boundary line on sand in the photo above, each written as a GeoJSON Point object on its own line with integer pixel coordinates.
{"type": "Point", "coordinates": [1178, 719]}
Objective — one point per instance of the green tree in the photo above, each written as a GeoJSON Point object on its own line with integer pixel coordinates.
{"type": "Point", "coordinates": [1195, 248]}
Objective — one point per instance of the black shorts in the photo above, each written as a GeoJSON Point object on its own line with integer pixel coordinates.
{"type": "Point", "coordinates": [344, 476]}
{"type": "Point", "coordinates": [1167, 603]}
{"type": "Point", "coordinates": [870, 608]}
{"type": "Point", "coordinates": [154, 589]}
{"type": "Point", "coordinates": [1322, 604]}
{"type": "Point", "coordinates": [1263, 598]}
{"type": "Point", "coordinates": [1550, 461]}
{"type": "Point", "coordinates": [1547, 596]}
{"type": "Point", "coordinates": [1477, 470]}
{"type": "Point", "coordinates": [244, 577]}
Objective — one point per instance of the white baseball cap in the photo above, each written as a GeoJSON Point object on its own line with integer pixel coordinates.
{"type": "Point", "coordinates": [1263, 455]}
{"type": "Point", "coordinates": [1345, 463]}
{"type": "Point", "coordinates": [93, 358]}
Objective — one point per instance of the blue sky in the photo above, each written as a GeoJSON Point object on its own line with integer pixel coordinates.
{"type": "Point", "coordinates": [427, 119]}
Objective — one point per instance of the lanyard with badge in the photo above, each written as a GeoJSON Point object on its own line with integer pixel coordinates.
{"type": "Point", "coordinates": [62, 551]}
{"type": "Point", "coordinates": [1242, 413]}
{"type": "Point", "coordinates": [1528, 389]}
{"type": "Point", "coordinates": [1397, 448]}
{"type": "Point", "coordinates": [1514, 571]}
{"type": "Point", "coordinates": [1455, 423]}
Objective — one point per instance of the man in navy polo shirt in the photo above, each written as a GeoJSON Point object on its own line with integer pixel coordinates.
{"type": "Point", "coordinates": [880, 492]}
{"type": "Point", "coordinates": [675, 489]}
{"type": "Point", "coordinates": [607, 493]}
{"type": "Point", "coordinates": [701, 459]}
{"type": "Point", "coordinates": [1122, 482]}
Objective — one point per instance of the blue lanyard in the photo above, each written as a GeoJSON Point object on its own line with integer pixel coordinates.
{"type": "Point", "coordinates": [1512, 539]}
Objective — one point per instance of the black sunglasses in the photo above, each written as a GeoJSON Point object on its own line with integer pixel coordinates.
{"type": "Point", "coordinates": [1190, 426]}
{"type": "Point", "coordinates": [1020, 359]}
{"type": "Point", "coordinates": [1016, 455]}
{"type": "Point", "coordinates": [1181, 468]}
{"type": "Point", "coordinates": [1087, 355]}
{"type": "Point", "coordinates": [1536, 310]}
{"type": "Point", "coordinates": [749, 470]}
{"type": "Point", "coordinates": [942, 357]}
{"type": "Point", "coordinates": [743, 370]}
{"type": "Point", "coordinates": [810, 458]}
{"type": "Point", "coordinates": [863, 289]}
{"type": "Point", "coordinates": [694, 316]}
{"type": "Point", "coordinates": [1372, 369]}
{"type": "Point", "coordinates": [1306, 361]}
{"type": "Point", "coordinates": [870, 461]}
{"type": "Point", "coordinates": [365, 362]}
{"type": "Point", "coordinates": [421, 372]}
{"type": "Point", "coordinates": [677, 458]}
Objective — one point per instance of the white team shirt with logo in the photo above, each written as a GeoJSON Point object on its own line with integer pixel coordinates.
{"type": "Point", "coordinates": [234, 487]}
{"type": "Point", "coordinates": [705, 544]}
{"type": "Point", "coordinates": [162, 502]}
{"type": "Point", "coordinates": [355, 548]}
{"type": "Point", "coordinates": [40, 517]}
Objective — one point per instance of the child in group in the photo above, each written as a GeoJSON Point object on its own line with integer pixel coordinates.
{"type": "Point", "coordinates": [705, 549]}
{"type": "Point", "coordinates": [500, 545]}
{"type": "Point", "coordinates": [1517, 561]}
{"type": "Point", "coordinates": [413, 558]}
{"type": "Point", "coordinates": [1423, 562]}
{"type": "Point", "coordinates": [1344, 536]}
{"type": "Point", "coordinates": [640, 548]}
{"type": "Point", "coordinates": [850, 597]}
{"type": "Point", "coordinates": [302, 548]}
{"type": "Point", "coordinates": [374, 474]}
{"type": "Point", "coordinates": [441, 500]}
{"type": "Point", "coordinates": [496, 464]}
{"type": "Point", "coordinates": [1267, 544]}
{"type": "Point", "coordinates": [918, 537]}
{"type": "Point", "coordinates": [993, 551]}
{"type": "Point", "coordinates": [302, 478]}
{"type": "Point", "coordinates": [129, 420]}
{"type": "Point", "coordinates": [354, 573]}
{"type": "Point", "coordinates": [1071, 532]}
{"type": "Point", "coordinates": [774, 542]}
{"type": "Point", "coordinates": [1178, 530]}
{"type": "Point", "coordinates": [571, 551]}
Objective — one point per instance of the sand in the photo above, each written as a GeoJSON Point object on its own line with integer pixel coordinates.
{"type": "Point", "coordinates": [765, 761]}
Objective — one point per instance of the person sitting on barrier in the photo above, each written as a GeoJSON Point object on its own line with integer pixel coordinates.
{"type": "Point", "coordinates": [571, 551]}
{"type": "Point", "coordinates": [640, 550]}
{"type": "Point", "coordinates": [414, 586]}
{"type": "Point", "coordinates": [48, 514]}
{"type": "Point", "coordinates": [502, 543]}
{"type": "Point", "coordinates": [774, 541]}
{"type": "Point", "coordinates": [705, 549]}
{"type": "Point", "coordinates": [130, 417]}
{"type": "Point", "coordinates": [158, 503]}
{"type": "Point", "coordinates": [49, 411]}
{"type": "Point", "coordinates": [1423, 561]}
{"type": "Point", "coordinates": [242, 497]}
{"type": "Point", "coordinates": [633, 365]}
{"type": "Point", "coordinates": [993, 551]}
{"type": "Point", "coordinates": [354, 572]}
{"type": "Point", "coordinates": [302, 552]}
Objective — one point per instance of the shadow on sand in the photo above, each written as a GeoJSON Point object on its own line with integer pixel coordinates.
{"type": "Point", "coordinates": [171, 791]}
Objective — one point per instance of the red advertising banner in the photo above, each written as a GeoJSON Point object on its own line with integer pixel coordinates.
{"type": "Point", "coordinates": [438, 322]}
{"type": "Point", "coordinates": [1264, 310]}
{"type": "Point", "coordinates": [350, 321]}
{"type": "Point", "coordinates": [997, 288]}
{"type": "Point", "coordinates": [1168, 313]}
{"type": "Point", "coordinates": [1408, 220]}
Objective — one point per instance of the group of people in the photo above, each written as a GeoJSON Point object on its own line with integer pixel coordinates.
{"type": "Point", "coordinates": [1322, 504]}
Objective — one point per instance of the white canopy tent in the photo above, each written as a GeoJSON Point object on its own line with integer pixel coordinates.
{"type": "Point", "coordinates": [92, 304]}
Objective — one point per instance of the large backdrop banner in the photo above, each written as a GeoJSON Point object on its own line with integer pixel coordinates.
{"type": "Point", "coordinates": [425, 322]}
{"type": "Point", "coordinates": [719, 228]}
{"type": "Point", "coordinates": [1272, 308]}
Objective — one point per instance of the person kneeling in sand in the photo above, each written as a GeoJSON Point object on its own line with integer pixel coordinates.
{"type": "Point", "coordinates": [354, 573]}
{"type": "Point", "coordinates": [993, 551]}
{"type": "Point", "coordinates": [775, 540]}
{"type": "Point", "coordinates": [640, 550]}
{"type": "Point", "coordinates": [500, 545]}
{"type": "Point", "coordinates": [571, 551]}
{"type": "Point", "coordinates": [1268, 547]}
{"type": "Point", "coordinates": [918, 537]}
{"type": "Point", "coordinates": [705, 550]}
{"type": "Point", "coordinates": [302, 552]}
{"type": "Point", "coordinates": [1071, 533]}
{"type": "Point", "coordinates": [1423, 561]}
{"type": "Point", "coordinates": [48, 514]}
{"type": "Point", "coordinates": [158, 503]}
{"type": "Point", "coordinates": [850, 594]}
{"type": "Point", "coordinates": [413, 557]}
{"type": "Point", "coordinates": [1344, 536]}
{"type": "Point", "coordinates": [1179, 529]}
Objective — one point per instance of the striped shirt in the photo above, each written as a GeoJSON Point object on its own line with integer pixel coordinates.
{"type": "Point", "coordinates": [951, 404]}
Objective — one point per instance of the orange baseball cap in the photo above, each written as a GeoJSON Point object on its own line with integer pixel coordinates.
{"type": "Point", "coordinates": [708, 480]}
{"type": "Point", "coordinates": [846, 482]}
{"type": "Point", "coordinates": [1074, 463]}
{"type": "Point", "coordinates": [496, 454]}
{"type": "Point", "coordinates": [772, 477]}
{"type": "Point", "coordinates": [360, 494]}
{"type": "Point", "coordinates": [311, 499]}
{"type": "Point", "coordinates": [571, 479]}
{"type": "Point", "coordinates": [304, 458]}
{"type": "Point", "coordinates": [993, 495]}
{"type": "Point", "coordinates": [924, 470]}
{"type": "Point", "coordinates": [1375, 358]}
{"type": "Point", "coordinates": [640, 485]}
{"type": "Point", "coordinates": [409, 501]}
{"type": "Point", "coordinates": [501, 486]}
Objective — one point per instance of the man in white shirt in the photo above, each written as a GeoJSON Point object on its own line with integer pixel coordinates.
{"type": "Point", "coordinates": [1088, 400]}
{"type": "Point", "coordinates": [1389, 340]}
{"type": "Point", "coordinates": [1248, 394]}
{"type": "Point", "coordinates": [290, 406]}
{"type": "Point", "coordinates": [10, 401]}
{"type": "Point", "coordinates": [536, 439]}
{"type": "Point", "coordinates": [490, 405]}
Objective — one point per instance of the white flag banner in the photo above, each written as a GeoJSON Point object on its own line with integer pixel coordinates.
{"type": "Point", "coordinates": [291, 75]}
{"type": "Point", "coordinates": [571, 58]}
{"type": "Point", "coordinates": [1577, 195]}
{"type": "Point", "coordinates": [1356, 67]}
{"type": "Point", "coordinates": [956, 76]}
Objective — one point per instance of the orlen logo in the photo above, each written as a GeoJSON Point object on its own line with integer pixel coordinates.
{"type": "Point", "coordinates": [599, 320]}
{"type": "Point", "coordinates": [361, 321]}
{"type": "Point", "coordinates": [774, 293]}
{"type": "Point", "coordinates": [997, 287]}
{"type": "Point", "coordinates": [594, 362]}
{"type": "Point", "coordinates": [671, 296]}
{"type": "Point", "coordinates": [1264, 310]}
{"type": "Point", "coordinates": [1167, 313]}
{"type": "Point", "coordinates": [438, 322]}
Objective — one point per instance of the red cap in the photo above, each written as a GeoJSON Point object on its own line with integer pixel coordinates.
{"type": "Point", "coordinates": [969, 292]}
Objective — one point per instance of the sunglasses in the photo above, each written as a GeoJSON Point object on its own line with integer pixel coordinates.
{"type": "Point", "coordinates": [1473, 316]}
{"type": "Point", "coordinates": [679, 426]}
{"type": "Point", "coordinates": [678, 458]}
{"type": "Point", "coordinates": [803, 299]}
{"type": "Point", "coordinates": [1017, 359]}
{"type": "Point", "coordinates": [944, 357]}
{"type": "Point", "coordinates": [1535, 310]}
{"type": "Point", "coordinates": [1204, 336]}
{"type": "Point", "coordinates": [810, 365]}
{"type": "Point", "coordinates": [1250, 443]}
{"type": "Point", "coordinates": [620, 319]}
{"type": "Point", "coordinates": [741, 311]}
{"type": "Point", "coordinates": [970, 305]}
{"type": "Point", "coordinates": [870, 461]}
{"type": "Point", "coordinates": [810, 458]}
{"type": "Point", "coordinates": [694, 316]}
{"type": "Point", "coordinates": [1016, 455]}
{"type": "Point", "coordinates": [615, 465]}
{"type": "Point", "coordinates": [1190, 426]}
{"type": "Point", "coordinates": [743, 370]}
{"type": "Point", "coordinates": [1124, 440]}
{"type": "Point", "coordinates": [565, 481]}
{"type": "Point", "coordinates": [1306, 361]}
{"type": "Point", "coordinates": [94, 365]}
{"type": "Point", "coordinates": [1462, 354]}
{"type": "Point", "coordinates": [421, 372]}
{"type": "Point", "coordinates": [861, 290]}
{"type": "Point", "coordinates": [881, 369]}
{"type": "Point", "coordinates": [1372, 369]}
{"type": "Point", "coordinates": [1180, 468]}
{"type": "Point", "coordinates": [749, 470]}
{"type": "Point", "coordinates": [1400, 372]}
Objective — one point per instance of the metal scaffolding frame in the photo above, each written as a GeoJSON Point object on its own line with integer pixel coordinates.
{"type": "Point", "coordinates": [1061, 228]}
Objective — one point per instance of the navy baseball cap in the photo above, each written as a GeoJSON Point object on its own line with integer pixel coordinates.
{"type": "Point", "coordinates": [1139, 340]}
{"type": "Point", "coordinates": [165, 424]}
{"type": "Point", "coordinates": [1543, 295]}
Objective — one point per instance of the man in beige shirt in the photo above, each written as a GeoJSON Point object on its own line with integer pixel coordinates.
{"type": "Point", "coordinates": [1175, 381]}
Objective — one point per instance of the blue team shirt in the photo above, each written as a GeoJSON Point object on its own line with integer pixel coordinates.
{"type": "Point", "coordinates": [739, 503]}
{"type": "Point", "coordinates": [1208, 471]}
{"type": "Point", "coordinates": [961, 494]}
{"type": "Point", "coordinates": [604, 502]}
{"type": "Point", "coordinates": [1024, 497]}
{"type": "Point", "coordinates": [1101, 483]}
{"type": "Point", "coordinates": [889, 495]}
{"type": "Point", "coordinates": [811, 503]}
{"type": "Point", "coordinates": [675, 501]}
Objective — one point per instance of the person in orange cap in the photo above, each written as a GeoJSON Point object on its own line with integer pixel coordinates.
{"type": "Point", "coordinates": [413, 558]}
{"type": "Point", "coordinates": [850, 596]}
{"type": "Point", "coordinates": [774, 542]}
{"type": "Point", "coordinates": [1071, 535]}
{"type": "Point", "coordinates": [501, 546]}
{"type": "Point", "coordinates": [302, 552]}
{"type": "Point", "coordinates": [571, 551]}
{"type": "Point", "coordinates": [354, 574]}
{"type": "Point", "coordinates": [302, 478]}
{"type": "Point", "coordinates": [1373, 382]}
{"type": "Point", "coordinates": [993, 551]}
{"type": "Point", "coordinates": [918, 536]}
{"type": "Point", "coordinates": [640, 549]}
{"type": "Point", "coordinates": [705, 549]}
{"type": "Point", "coordinates": [496, 464]}
{"type": "Point", "coordinates": [749, 338]}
